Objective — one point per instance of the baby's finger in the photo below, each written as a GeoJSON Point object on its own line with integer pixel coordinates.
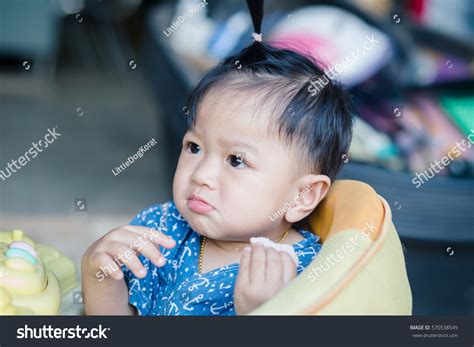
{"type": "Point", "coordinates": [137, 240]}
{"type": "Point", "coordinates": [140, 242]}
{"type": "Point", "coordinates": [126, 256]}
{"type": "Point", "coordinates": [144, 235]}
{"type": "Point", "coordinates": [257, 265]}
{"type": "Point", "coordinates": [274, 267]}
{"type": "Point", "coordinates": [243, 276]}
{"type": "Point", "coordinates": [157, 237]}
{"type": "Point", "coordinates": [289, 267]}
{"type": "Point", "coordinates": [104, 261]}
{"type": "Point", "coordinates": [152, 252]}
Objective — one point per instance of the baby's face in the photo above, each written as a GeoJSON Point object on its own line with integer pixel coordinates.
{"type": "Point", "coordinates": [243, 173]}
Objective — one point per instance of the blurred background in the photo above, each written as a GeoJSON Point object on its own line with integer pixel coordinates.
{"type": "Point", "coordinates": [110, 75]}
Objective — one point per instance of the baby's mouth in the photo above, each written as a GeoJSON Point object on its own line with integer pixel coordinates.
{"type": "Point", "coordinates": [199, 205]}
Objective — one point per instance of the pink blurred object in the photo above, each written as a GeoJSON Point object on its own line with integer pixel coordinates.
{"type": "Point", "coordinates": [338, 39]}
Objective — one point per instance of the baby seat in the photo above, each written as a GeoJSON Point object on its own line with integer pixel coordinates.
{"type": "Point", "coordinates": [360, 269]}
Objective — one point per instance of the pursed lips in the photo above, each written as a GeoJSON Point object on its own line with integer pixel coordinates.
{"type": "Point", "coordinates": [199, 205]}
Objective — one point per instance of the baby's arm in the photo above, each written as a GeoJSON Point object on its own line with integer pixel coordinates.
{"type": "Point", "coordinates": [104, 294]}
{"type": "Point", "coordinates": [106, 297]}
{"type": "Point", "coordinates": [263, 272]}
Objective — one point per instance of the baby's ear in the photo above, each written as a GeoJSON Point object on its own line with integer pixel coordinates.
{"type": "Point", "coordinates": [310, 190]}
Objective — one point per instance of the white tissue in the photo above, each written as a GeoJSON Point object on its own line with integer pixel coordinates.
{"type": "Point", "coordinates": [277, 246]}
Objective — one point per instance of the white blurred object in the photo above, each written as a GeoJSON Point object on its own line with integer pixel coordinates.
{"type": "Point", "coordinates": [276, 246]}
{"type": "Point", "coordinates": [193, 33]}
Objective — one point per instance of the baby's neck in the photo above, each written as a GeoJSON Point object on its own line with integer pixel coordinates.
{"type": "Point", "coordinates": [233, 246]}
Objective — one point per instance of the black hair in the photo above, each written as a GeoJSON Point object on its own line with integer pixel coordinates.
{"type": "Point", "coordinates": [313, 113]}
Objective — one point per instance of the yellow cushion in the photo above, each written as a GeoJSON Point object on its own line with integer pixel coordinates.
{"type": "Point", "coordinates": [354, 203]}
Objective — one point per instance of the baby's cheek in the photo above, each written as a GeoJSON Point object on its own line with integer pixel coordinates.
{"type": "Point", "coordinates": [256, 214]}
{"type": "Point", "coordinates": [179, 188]}
{"type": "Point", "coordinates": [263, 201]}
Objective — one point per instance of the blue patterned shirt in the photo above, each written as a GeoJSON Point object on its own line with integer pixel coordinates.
{"type": "Point", "coordinates": [178, 288]}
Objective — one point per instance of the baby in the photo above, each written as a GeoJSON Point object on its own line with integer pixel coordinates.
{"type": "Point", "coordinates": [258, 156]}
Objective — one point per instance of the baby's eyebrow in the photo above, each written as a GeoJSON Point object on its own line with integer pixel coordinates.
{"type": "Point", "coordinates": [238, 143]}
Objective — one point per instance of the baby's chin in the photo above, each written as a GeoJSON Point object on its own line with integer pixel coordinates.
{"type": "Point", "coordinates": [201, 224]}
{"type": "Point", "coordinates": [205, 226]}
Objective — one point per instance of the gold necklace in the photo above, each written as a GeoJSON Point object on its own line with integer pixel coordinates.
{"type": "Point", "coordinates": [203, 243]}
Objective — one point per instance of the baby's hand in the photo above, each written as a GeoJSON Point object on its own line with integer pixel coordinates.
{"type": "Point", "coordinates": [121, 246]}
{"type": "Point", "coordinates": [263, 272]}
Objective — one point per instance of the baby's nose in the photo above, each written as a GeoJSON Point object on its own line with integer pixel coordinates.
{"type": "Point", "coordinates": [205, 175]}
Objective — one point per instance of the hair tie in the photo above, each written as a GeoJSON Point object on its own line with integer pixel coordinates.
{"type": "Point", "coordinates": [257, 37]}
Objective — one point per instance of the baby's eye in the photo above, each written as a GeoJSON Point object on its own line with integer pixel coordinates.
{"type": "Point", "coordinates": [193, 147]}
{"type": "Point", "coordinates": [236, 161]}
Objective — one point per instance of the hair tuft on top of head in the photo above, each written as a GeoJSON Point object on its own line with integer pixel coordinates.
{"type": "Point", "coordinates": [256, 12]}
